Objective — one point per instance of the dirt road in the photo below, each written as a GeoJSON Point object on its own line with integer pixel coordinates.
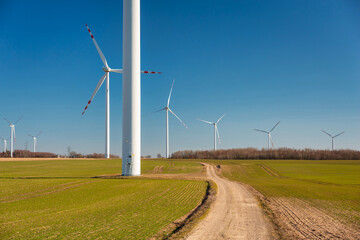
{"type": "Point", "coordinates": [235, 214]}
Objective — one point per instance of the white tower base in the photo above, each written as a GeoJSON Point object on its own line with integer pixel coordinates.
{"type": "Point", "coordinates": [131, 129]}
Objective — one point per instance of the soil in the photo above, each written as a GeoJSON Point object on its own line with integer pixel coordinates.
{"type": "Point", "coordinates": [235, 214]}
{"type": "Point", "coordinates": [298, 220]}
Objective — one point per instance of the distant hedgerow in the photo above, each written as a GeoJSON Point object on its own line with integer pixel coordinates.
{"type": "Point", "coordinates": [281, 153]}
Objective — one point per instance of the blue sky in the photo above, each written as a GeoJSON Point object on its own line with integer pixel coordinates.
{"type": "Point", "coordinates": [297, 62]}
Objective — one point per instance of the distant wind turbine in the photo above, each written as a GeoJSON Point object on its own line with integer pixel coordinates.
{"type": "Point", "coordinates": [5, 144]}
{"type": "Point", "coordinates": [107, 70]}
{"type": "Point", "coordinates": [332, 138]}
{"type": "Point", "coordinates": [167, 109]}
{"type": "Point", "coordinates": [269, 134]}
{"type": "Point", "coordinates": [216, 131]}
{"type": "Point", "coordinates": [34, 140]}
{"type": "Point", "coordinates": [12, 134]}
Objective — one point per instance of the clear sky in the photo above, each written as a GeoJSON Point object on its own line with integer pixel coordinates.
{"type": "Point", "coordinates": [261, 61]}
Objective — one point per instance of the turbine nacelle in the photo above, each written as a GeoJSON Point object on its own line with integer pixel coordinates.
{"type": "Point", "coordinates": [106, 69]}
{"type": "Point", "coordinates": [216, 131]}
{"type": "Point", "coordinates": [167, 109]}
{"type": "Point", "coordinates": [269, 134]}
{"type": "Point", "coordinates": [332, 138]}
{"type": "Point", "coordinates": [12, 134]}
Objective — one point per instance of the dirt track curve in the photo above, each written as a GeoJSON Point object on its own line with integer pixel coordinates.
{"type": "Point", "coordinates": [235, 214]}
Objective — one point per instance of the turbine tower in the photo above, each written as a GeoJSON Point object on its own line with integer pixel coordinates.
{"type": "Point", "coordinates": [269, 135]}
{"type": "Point", "coordinates": [332, 138]}
{"type": "Point", "coordinates": [106, 76]}
{"type": "Point", "coordinates": [34, 140]}
{"type": "Point", "coordinates": [216, 131]}
{"type": "Point", "coordinates": [12, 134]}
{"type": "Point", "coordinates": [131, 124]}
{"type": "Point", "coordinates": [167, 109]}
{"type": "Point", "coordinates": [5, 144]}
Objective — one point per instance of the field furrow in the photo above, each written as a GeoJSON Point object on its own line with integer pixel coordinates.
{"type": "Point", "coordinates": [114, 208]}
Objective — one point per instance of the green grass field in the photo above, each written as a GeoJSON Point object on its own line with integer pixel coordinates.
{"type": "Point", "coordinates": [88, 168]}
{"type": "Point", "coordinates": [60, 200]}
{"type": "Point", "coordinates": [333, 186]}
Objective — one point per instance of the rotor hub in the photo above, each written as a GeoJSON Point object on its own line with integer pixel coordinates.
{"type": "Point", "coordinates": [106, 69]}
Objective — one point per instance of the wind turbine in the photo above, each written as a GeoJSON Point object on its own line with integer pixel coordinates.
{"type": "Point", "coordinates": [216, 131]}
{"type": "Point", "coordinates": [34, 140]}
{"type": "Point", "coordinates": [332, 138]}
{"type": "Point", "coordinates": [12, 134]}
{"type": "Point", "coordinates": [269, 134]}
{"type": "Point", "coordinates": [131, 116]}
{"type": "Point", "coordinates": [5, 144]}
{"type": "Point", "coordinates": [106, 76]}
{"type": "Point", "coordinates": [167, 109]}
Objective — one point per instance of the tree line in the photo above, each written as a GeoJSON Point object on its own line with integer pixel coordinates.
{"type": "Point", "coordinates": [28, 154]}
{"type": "Point", "coordinates": [281, 153]}
{"type": "Point", "coordinates": [72, 154]}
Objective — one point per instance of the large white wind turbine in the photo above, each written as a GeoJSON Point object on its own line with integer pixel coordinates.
{"type": "Point", "coordinates": [106, 76]}
{"type": "Point", "coordinates": [216, 131]}
{"type": "Point", "coordinates": [34, 140]}
{"type": "Point", "coordinates": [131, 124]}
{"type": "Point", "coordinates": [12, 134]}
{"type": "Point", "coordinates": [167, 109]}
{"type": "Point", "coordinates": [332, 138]}
{"type": "Point", "coordinates": [5, 144]}
{"type": "Point", "coordinates": [269, 135]}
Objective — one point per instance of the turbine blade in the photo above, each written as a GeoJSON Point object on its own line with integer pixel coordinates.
{"type": "Point", "coordinates": [95, 91]}
{"type": "Point", "coordinates": [116, 70]}
{"type": "Point", "coordinates": [178, 118]}
{"type": "Point", "coordinates": [19, 119]}
{"type": "Point", "coordinates": [339, 134]}
{"type": "Point", "coordinates": [272, 142]}
{"type": "Point", "coordinates": [97, 47]}
{"type": "Point", "coordinates": [327, 133]}
{"type": "Point", "coordinates": [153, 112]}
{"type": "Point", "coordinates": [274, 126]}
{"type": "Point", "coordinates": [260, 130]}
{"type": "Point", "coordinates": [30, 135]}
{"type": "Point", "coordinates": [151, 72]}
{"type": "Point", "coordinates": [6, 120]}
{"type": "Point", "coordinates": [206, 121]}
{"type": "Point", "coordinates": [217, 133]}
{"type": "Point", "coordinates": [220, 118]}
{"type": "Point", "coordinates": [168, 102]}
{"type": "Point", "coordinates": [39, 134]}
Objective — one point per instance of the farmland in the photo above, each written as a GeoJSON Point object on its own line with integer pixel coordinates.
{"type": "Point", "coordinates": [87, 168]}
{"type": "Point", "coordinates": [60, 199]}
{"type": "Point", "coordinates": [306, 187]}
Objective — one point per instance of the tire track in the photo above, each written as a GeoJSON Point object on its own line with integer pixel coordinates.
{"type": "Point", "coordinates": [308, 222]}
{"type": "Point", "coordinates": [269, 170]}
{"type": "Point", "coordinates": [38, 191]}
{"type": "Point", "coordinates": [46, 193]}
